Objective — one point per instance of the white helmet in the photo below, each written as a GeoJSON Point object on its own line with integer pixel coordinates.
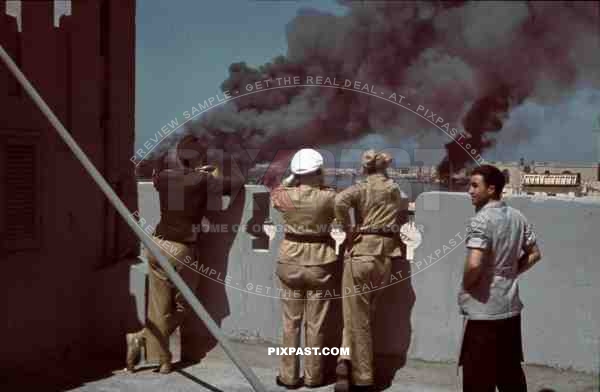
{"type": "Point", "coordinates": [306, 161]}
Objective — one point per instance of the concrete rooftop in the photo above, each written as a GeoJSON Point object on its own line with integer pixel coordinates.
{"type": "Point", "coordinates": [216, 373]}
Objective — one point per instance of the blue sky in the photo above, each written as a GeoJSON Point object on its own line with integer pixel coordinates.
{"type": "Point", "coordinates": [183, 53]}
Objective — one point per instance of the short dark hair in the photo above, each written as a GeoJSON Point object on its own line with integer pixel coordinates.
{"type": "Point", "coordinates": [491, 176]}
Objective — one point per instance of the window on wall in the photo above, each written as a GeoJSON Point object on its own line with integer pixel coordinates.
{"type": "Point", "coordinates": [20, 194]}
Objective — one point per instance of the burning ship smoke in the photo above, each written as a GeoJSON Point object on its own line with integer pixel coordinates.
{"type": "Point", "coordinates": [469, 62]}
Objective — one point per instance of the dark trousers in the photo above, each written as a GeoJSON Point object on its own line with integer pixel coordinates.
{"type": "Point", "coordinates": [491, 356]}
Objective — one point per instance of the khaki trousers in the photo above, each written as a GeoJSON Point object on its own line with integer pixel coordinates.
{"type": "Point", "coordinates": [166, 306]}
{"type": "Point", "coordinates": [304, 296]}
{"type": "Point", "coordinates": [362, 283]}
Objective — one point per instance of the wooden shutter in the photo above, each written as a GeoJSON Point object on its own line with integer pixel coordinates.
{"type": "Point", "coordinates": [20, 193]}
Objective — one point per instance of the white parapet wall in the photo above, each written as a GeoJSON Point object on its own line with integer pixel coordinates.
{"type": "Point", "coordinates": [561, 295]}
{"type": "Point", "coordinates": [419, 314]}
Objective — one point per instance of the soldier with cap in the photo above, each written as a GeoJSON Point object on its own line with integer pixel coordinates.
{"type": "Point", "coordinates": [305, 265]}
{"type": "Point", "coordinates": [380, 209]}
{"type": "Point", "coordinates": [184, 186]}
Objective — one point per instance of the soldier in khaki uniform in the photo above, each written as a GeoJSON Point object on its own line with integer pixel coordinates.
{"type": "Point", "coordinates": [380, 209]}
{"type": "Point", "coordinates": [305, 266]}
{"type": "Point", "coordinates": [184, 190]}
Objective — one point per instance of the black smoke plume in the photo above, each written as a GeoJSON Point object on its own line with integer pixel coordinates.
{"type": "Point", "coordinates": [469, 62]}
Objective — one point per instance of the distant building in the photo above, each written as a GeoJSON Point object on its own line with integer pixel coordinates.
{"type": "Point", "coordinates": [587, 171]}
{"type": "Point", "coordinates": [551, 184]}
{"type": "Point", "coordinates": [415, 172]}
{"type": "Point", "coordinates": [546, 177]}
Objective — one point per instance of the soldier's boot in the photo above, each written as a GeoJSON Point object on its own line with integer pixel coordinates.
{"type": "Point", "coordinates": [165, 368]}
{"type": "Point", "coordinates": [297, 385]}
{"type": "Point", "coordinates": [135, 342]}
{"type": "Point", "coordinates": [342, 372]}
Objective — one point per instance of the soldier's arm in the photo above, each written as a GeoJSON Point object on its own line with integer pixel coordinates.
{"type": "Point", "coordinates": [231, 183]}
{"type": "Point", "coordinates": [165, 179]}
{"type": "Point", "coordinates": [225, 185]}
{"type": "Point", "coordinates": [196, 181]}
{"type": "Point", "coordinates": [345, 200]}
{"type": "Point", "coordinates": [280, 198]}
{"type": "Point", "coordinates": [403, 208]}
{"type": "Point", "coordinates": [199, 181]}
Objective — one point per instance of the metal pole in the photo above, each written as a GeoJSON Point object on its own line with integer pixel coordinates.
{"type": "Point", "coordinates": [125, 214]}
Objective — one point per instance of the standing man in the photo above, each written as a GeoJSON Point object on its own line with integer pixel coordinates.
{"type": "Point", "coordinates": [306, 266]}
{"type": "Point", "coordinates": [501, 245]}
{"type": "Point", "coordinates": [380, 209]}
{"type": "Point", "coordinates": [184, 189]}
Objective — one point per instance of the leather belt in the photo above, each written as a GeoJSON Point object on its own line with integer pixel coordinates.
{"type": "Point", "coordinates": [309, 238]}
{"type": "Point", "coordinates": [384, 232]}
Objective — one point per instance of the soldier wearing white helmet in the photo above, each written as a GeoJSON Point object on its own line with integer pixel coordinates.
{"type": "Point", "coordinates": [306, 263]}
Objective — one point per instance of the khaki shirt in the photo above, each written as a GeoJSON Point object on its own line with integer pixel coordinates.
{"type": "Point", "coordinates": [306, 209]}
{"type": "Point", "coordinates": [378, 203]}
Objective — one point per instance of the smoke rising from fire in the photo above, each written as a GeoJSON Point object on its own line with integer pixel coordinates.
{"type": "Point", "coordinates": [470, 63]}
